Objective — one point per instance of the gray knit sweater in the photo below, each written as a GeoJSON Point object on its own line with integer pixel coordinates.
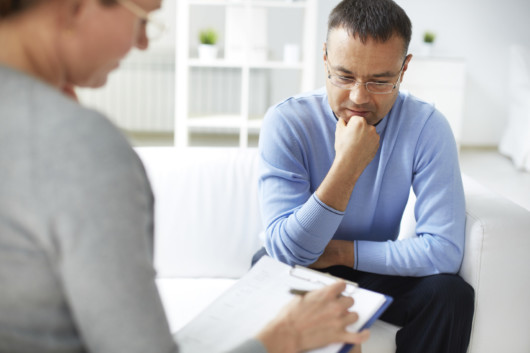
{"type": "Point", "coordinates": [76, 230]}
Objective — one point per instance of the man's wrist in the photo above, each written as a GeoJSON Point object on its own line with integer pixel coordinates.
{"type": "Point", "coordinates": [347, 167]}
{"type": "Point", "coordinates": [348, 256]}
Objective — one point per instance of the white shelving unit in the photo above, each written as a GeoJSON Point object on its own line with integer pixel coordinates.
{"type": "Point", "coordinates": [241, 87]}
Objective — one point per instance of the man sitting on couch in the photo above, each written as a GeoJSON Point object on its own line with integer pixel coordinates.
{"type": "Point", "coordinates": [337, 165]}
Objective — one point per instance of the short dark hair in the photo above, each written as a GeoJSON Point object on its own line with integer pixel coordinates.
{"type": "Point", "coordinates": [10, 7]}
{"type": "Point", "coordinates": [377, 19]}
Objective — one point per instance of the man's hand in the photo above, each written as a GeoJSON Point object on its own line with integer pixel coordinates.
{"type": "Point", "coordinates": [356, 144]}
{"type": "Point", "coordinates": [337, 252]}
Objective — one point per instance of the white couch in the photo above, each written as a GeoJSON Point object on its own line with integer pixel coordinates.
{"type": "Point", "coordinates": [515, 141]}
{"type": "Point", "coordinates": [207, 225]}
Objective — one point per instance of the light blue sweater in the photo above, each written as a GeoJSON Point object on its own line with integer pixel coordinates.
{"type": "Point", "coordinates": [417, 149]}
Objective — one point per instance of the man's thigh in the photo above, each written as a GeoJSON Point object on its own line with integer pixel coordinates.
{"type": "Point", "coordinates": [412, 295]}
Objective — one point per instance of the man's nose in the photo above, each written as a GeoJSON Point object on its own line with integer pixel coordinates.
{"type": "Point", "coordinates": [359, 94]}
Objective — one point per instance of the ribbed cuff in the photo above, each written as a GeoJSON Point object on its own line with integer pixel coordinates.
{"type": "Point", "coordinates": [316, 223]}
{"type": "Point", "coordinates": [316, 217]}
{"type": "Point", "coordinates": [355, 255]}
{"type": "Point", "coordinates": [370, 256]}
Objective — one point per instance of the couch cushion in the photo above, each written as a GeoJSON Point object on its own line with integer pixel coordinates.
{"type": "Point", "coordinates": [185, 298]}
{"type": "Point", "coordinates": [200, 197]}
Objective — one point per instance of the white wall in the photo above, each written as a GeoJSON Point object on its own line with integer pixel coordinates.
{"type": "Point", "coordinates": [478, 31]}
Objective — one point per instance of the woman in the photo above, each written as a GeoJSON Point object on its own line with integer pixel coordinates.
{"type": "Point", "coordinates": [76, 208]}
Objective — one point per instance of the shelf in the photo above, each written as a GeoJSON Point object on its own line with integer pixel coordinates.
{"type": "Point", "coordinates": [227, 96]}
{"type": "Point", "coordinates": [262, 3]}
{"type": "Point", "coordinates": [221, 63]}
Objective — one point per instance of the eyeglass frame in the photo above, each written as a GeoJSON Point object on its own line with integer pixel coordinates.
{"type": "Point", "coordinates": [365, 84]}
{"type": "Point", "coordinates": [142, 15]}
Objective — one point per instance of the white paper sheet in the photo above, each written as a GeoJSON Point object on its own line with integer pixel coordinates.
{"type": "Point", "coordinates": [244, 309]}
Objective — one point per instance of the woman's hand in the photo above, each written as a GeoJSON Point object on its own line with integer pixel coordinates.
{"type": "Point", "coordinates": [314, 320]}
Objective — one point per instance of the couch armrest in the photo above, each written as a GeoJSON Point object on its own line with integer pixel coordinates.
{"type": "Point", "coordinates": [496, 263]}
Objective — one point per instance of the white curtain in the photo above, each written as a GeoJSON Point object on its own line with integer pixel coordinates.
{"type": "Point", "coordinates": [515, 142]}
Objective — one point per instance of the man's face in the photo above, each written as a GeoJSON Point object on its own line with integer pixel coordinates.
{"type": "Point", "coordinates": [351, 60]}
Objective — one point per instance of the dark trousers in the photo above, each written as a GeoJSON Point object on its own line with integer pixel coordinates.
{"type": "Point", "coordinates": [435, 312]}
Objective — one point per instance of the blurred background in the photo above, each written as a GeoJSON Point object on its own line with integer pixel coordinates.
{"type": "Point", "coordinates": [475, 70]}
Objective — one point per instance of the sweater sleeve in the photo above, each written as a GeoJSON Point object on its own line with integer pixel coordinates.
{"type": "Point", "coordinates": [249, 346]}
{"type": "Point", "coordinates": [439, 211]}
{"type": "Point", "coordinates": [298, 224]}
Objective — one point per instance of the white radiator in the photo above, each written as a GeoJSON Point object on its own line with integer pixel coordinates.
{"type": "Point", "coordinates": [139, 96]}
{"type": "Point", "coordinates": [217, 91]}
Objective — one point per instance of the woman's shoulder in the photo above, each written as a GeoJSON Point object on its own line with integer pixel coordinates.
{"type": "Point", "coordinates": [56, 126]}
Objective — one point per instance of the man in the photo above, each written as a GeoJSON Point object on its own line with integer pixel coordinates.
{"type": "Point", "coordinates": [337, 166]}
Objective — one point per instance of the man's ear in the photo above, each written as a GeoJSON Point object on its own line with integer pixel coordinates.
{"type": "Point", "coordinates": [405, 66]}
{"type": "Point", "coordinates": [325, 54]}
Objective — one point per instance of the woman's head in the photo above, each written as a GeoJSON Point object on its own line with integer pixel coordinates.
{"type": "Point", "coordinates": [75, 42]}
{"type": "Point", "coordinates": [11, 7]}
{"type": "Point", "coordinates": [99, 37]}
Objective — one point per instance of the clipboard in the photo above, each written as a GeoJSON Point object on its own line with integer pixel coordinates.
{"type": "Point", "coordinates": [256, 298]}
{"type": "Point", "coordinates": [350, 289]}
{"type": "Point", "coordinates": [388, 300]}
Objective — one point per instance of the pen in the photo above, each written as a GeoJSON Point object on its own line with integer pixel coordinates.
{"type": "Point", "coordinates": [303, 292]}
{"type": "Point", "coordinates": [298, 291]}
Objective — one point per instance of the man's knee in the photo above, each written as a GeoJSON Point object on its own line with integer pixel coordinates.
{"type": "Point", "coordinates": [450, 291]}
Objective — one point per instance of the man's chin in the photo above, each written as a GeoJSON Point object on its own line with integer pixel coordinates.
{"type": "Point", "coordinates": [349, 116]}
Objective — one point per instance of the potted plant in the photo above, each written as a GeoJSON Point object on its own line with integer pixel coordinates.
{"type": "Point", "coordinates": [428, 42]}
{"type": "Point", "coordinates": [429, 37]}
{"type": "Point", "coordinates": [207, 47]}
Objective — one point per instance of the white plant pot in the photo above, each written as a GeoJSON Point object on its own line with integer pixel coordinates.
{"type": "Point", "coordinates": [207, 52]}
{"type": "Point", "coordinates": [427, 49]}
{"type": "Point", "coordinates": [291, 53]}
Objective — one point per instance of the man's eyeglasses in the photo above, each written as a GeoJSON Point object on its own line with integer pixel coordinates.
{"type": "Point", "coordinates": [372, 87]}
{"type": "Point", "coordinates": [154, 28]}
